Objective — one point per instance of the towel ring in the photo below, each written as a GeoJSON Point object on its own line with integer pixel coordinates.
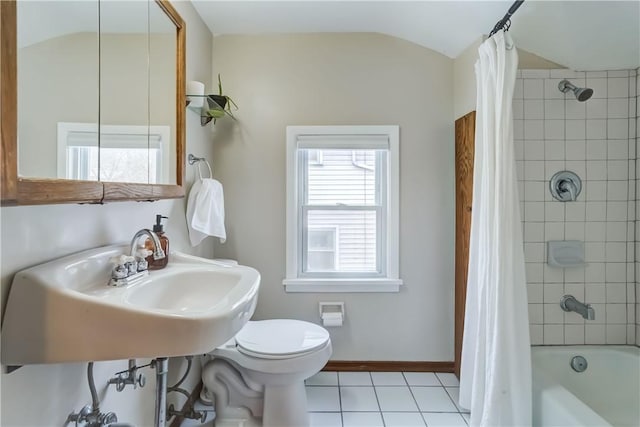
{"type": "Point", "coordinates": [199, 160]}
{"type": "Point", "coordinates": [208, 167]}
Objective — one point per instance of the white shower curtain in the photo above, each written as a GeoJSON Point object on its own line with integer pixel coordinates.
{"type": "Point", "coordinates": [495, 381]}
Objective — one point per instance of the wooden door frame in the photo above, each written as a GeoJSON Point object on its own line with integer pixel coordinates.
{"type": "Point", "coordinates": [464, 146]}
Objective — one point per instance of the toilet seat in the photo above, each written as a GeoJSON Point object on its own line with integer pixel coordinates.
{"type": "Point", "coordinates": [280, 338]}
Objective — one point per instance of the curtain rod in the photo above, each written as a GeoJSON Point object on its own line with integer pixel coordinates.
{"type": "Point", "coordinates": [505, 22]}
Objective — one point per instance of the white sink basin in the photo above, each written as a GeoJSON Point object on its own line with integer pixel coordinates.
{"type": "Point", "coordinates": [193, 294]}
{"type": "Point", "coordinates": [64, 311]}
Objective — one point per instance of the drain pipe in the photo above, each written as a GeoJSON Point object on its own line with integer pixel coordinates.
{"type": "Point", "coordinates": [95, 403]}
{"type": "Point", "coordinates": [187, 411]}
{"type": "Point", "coordinates": [161, 364]}
{"type": "Point", "coordinates": [90, 415]}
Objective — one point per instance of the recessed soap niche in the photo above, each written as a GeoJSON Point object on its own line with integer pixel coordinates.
{"type": "Point", "coordinates": [565, 253]}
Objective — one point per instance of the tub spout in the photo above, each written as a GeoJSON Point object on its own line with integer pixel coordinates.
{"type": "Point", "coordinates": [570, 303]}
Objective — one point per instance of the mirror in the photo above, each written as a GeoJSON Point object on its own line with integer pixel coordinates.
{"type": "Point", "coordinates": [58, 58]}
{"type": "Point", "coordinates": [99, 89]}
{"type": "Point", "coordinates": [137, 87]}
{"type": "Point", "coordinates": [124, 92]}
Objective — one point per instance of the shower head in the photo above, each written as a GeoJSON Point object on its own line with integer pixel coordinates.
{"type": "Point", "coordinates": [581, 93]}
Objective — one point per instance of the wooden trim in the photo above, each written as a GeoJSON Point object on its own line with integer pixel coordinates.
{"type": "Point", "coordinates": [8, 103]}
{"type": "Point", "coordinates": [15, 190]}
{"type": "Point", "coordinates": [181, 103]}
{"type": "Point", "coordinates": [387, 366]}
{"type": "Point", "coordinates": [464, 143]}
{"type": "Point", "coordinates": [48, 191]}
{"type": "Point", "coordinates": [171, 12]}
{"type": "Point", "coordinates": [120, 192]}
{"type": "Point", "coordinates": [181, 87]}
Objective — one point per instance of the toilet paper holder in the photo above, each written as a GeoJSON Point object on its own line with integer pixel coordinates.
{"type": "Point", "coordinates": [331, 313]}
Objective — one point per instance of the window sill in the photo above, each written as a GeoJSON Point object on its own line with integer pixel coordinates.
{"type": "Point", "coordinates": [342, 285]}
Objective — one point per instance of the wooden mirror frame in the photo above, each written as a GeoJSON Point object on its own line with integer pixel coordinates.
{"type": "Point", "coordinates": [15, 190]}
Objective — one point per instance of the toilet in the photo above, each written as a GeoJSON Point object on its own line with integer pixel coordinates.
{"type": "Point", "coordinates": [257, 378]}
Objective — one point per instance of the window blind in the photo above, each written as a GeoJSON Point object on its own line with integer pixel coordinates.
{"type": "Point", "coordinates": [343, 142]}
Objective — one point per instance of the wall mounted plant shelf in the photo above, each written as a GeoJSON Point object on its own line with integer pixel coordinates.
{"type": "Point", "coordinates": [213, 108]}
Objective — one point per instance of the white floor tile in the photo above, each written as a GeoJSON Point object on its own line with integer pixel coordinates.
{"type": "Point", "coordinates": [454, 394]}
{"type": "Point", "coordinates": [403, 419]}
{"type": "Point", "coordinates": [467, 417]}
{"type": "Point", "coordinates": [325, 419]}
{"type": "Point", "coordinates": [354, 378]}
{"type": "Point", "coordinates": [433, 399]}
{"type": "Point", "coordinates": [358, 399]}
{"type": "Point", "coordinates": [388, 378]}
{"type": "Point", "coordinates": [448, 380]}
{"type": "Point", "coordinates": [440, 419]}
{"type": "Point", "coordinates": [396, 399]}
{"type": "Point", "coordinates": [323, 378]}
{"type": "Point", "coordinates": [421, 378]}
{"type": "Point", "coordinates": [362, 419]}
{"type": "Point", "coordinates": [323, 399]}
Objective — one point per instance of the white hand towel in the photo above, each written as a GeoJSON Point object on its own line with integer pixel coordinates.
{"type": "Point", "coordinates": [205, 211]}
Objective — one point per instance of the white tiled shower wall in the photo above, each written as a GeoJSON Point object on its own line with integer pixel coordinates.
{"type": "Point", "coordinates": [637, 204]}
{"type": "Point", "coordinates": [597, 140]}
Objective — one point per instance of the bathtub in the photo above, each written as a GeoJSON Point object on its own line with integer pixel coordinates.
{"type": "Point", "coordinates": [607, 393]}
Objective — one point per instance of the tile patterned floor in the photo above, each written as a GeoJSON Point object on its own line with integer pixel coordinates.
{"type": "Point", "coordinates": [381, 399]}
{"type": "Point", "coordinates": [384, 399]}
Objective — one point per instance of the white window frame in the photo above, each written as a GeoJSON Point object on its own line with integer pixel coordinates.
{"type": "Point", "coordinates": [356, 163]}
{"type": "Point", "coordinates": [318, 161]}
{"type": "Point", "coordinates": [160, 133]}
{"type": "Point", "coordinates": [389, 280]}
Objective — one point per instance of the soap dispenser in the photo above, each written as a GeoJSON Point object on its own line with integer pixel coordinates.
{"type": "Point", "coordinates": [157, 264]}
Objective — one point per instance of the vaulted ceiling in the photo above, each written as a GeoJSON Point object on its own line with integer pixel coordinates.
{"type": "Point", "coordinates": [581, 35]}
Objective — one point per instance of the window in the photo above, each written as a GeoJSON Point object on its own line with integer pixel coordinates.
{"type": "Point", "coordinates": [315, 157]}
{"type": "Point", "coordinates": [322, 250]}
{"type": "Point", "coordinates": [137, 154]}
{"type": "Point", "coordinates": [342, 209]}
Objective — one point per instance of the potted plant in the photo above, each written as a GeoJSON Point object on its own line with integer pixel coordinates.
{"type": "Point", "coordinates": [220, 104]}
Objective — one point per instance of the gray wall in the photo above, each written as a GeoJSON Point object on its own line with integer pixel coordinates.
{"type": "Point", "coordinates": [343, 79]}
{"type": "Point", "coordinates": [44, 395]}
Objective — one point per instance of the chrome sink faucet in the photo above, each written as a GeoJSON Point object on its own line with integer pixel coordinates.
{"type": "Point", "coordinates": [158, 253]}
{"type": "Point", "coordinates": [570, 303]}
{"type": "Point", "coordinates": [130, 268]}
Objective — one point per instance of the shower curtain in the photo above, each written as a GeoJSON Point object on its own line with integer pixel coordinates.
{"type": "Point", "coordinates": [495, 377]}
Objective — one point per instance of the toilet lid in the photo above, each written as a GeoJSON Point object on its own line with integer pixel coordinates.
{"type": "Point", "coordinates": [280, 337]}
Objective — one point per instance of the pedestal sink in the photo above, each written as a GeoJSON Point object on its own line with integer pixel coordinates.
{"type": "Point", "coordinates": [64, 311]}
